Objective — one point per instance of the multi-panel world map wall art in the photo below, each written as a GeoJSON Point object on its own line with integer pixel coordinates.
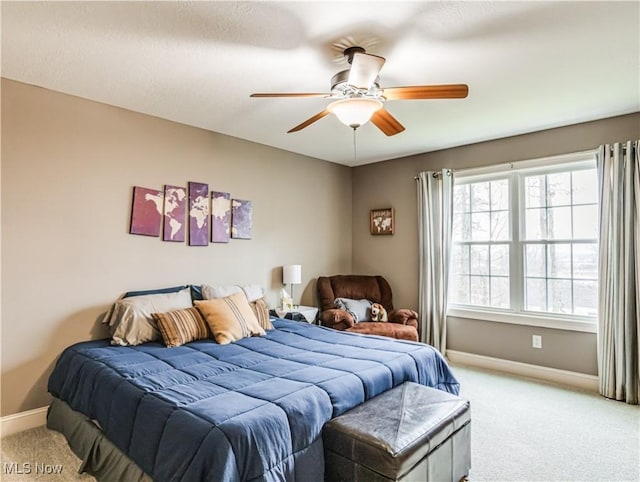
{"type": "Point", "coordinates": [206, 216]}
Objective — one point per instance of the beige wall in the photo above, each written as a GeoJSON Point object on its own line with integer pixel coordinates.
{"type": "Point", "coordinates": [68, 168]}
{"type": "Point", "coordinates": [392, 184]}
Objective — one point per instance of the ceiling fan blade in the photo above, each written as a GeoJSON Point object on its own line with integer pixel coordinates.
{"type": "Point", "coordinates": [364, 70]}
{"type": "Point", "coordinates": [445, 91]}
{"type": "Point", "coordinates": [388, 124]}
{"type": "Point", "coordinates": [289, 94]}
{"type": "Point", "coordinates": [309, 121]}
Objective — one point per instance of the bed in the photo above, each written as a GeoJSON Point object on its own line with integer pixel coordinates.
{"type": "Point", "coordinates": [252, 410]}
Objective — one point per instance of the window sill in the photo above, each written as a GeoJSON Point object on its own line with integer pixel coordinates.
{"type": "Point", "coordinates": [522, 319]}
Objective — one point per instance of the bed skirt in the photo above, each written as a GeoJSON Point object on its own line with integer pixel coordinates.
{"type": "Point", "coordinates": [100, 457]}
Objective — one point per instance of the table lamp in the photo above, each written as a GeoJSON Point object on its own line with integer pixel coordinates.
{"type": "Point", "coordinates": [292, 275]}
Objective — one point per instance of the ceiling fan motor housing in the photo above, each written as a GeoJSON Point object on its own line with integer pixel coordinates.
{"type": "Point", "coordinates": [340, 86]}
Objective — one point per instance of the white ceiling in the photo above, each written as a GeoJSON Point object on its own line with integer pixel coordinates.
{"type": "Point", "coordinates": [529, 65]}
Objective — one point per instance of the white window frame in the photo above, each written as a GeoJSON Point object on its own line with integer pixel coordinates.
{"type": "Point", "coordinates": [516, 314]}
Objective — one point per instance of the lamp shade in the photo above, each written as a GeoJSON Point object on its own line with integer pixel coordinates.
{"type": "Point", "coordinates": [356, 111]}
{"type": "Point", "coordinates": [292, 274]}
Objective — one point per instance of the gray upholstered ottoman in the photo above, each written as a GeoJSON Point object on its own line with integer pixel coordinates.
{"type": "Point", "coordinates": [409, 433]}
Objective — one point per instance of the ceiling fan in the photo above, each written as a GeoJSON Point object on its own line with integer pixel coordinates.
{"type": "Point", "coordinates": [358, 97]}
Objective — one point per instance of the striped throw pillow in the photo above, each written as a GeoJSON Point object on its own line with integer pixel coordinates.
{"type": "Point", "coordinates": [181, 326]}
{"type": "Point", "coordinates": [261, 311]}
{"type": "Point", "coordinates": [230, 318]}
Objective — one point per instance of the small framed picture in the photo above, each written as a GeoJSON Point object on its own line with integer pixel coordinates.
{"type": "Point", "coordinates": [382, 221]}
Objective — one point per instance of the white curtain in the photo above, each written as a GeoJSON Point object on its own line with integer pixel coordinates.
{"type": "Point", "coordinates": [619, 292]}
{"type": "Point", "coordinates": [435, 211]}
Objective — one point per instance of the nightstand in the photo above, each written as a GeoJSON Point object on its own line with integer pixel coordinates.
{"type": "Point", "coordinates": [298, 313]}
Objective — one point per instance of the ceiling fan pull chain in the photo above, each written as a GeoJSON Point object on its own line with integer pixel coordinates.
{"type": "Point", "coordinates": [355, 158]}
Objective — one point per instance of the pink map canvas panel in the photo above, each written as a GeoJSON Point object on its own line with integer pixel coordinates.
{"type": "Point", "coordinates": [175, 207]}
{"type": "Point", "coordinates": [241, 219]}
{"type": "Point", "coordinates": [146, 211]}
{"type": "Point", "coordinates": [220, 217]}
{"type": "Point", "coordinates": [198, 214]}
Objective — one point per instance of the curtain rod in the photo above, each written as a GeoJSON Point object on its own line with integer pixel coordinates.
{"type": "Point", "coordinates": [436, 174]}
{"type": "Point", "coordinates": [570, 157]}
{"type": "Point", "coordinates": [624, 148]}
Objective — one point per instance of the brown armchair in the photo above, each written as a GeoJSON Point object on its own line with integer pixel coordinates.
{"type": "Point", "coordinates": [402, 323]}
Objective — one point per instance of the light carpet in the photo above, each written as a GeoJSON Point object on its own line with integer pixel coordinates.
{"type": "Point", "coordinates": [521, 430]}
{"type": "Point", "coordinates": [39, 455]}
{"type": "Point", "coordinates": [524, 430]}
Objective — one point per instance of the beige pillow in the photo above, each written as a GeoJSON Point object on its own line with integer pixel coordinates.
{"type": "Point", "coordinates": [230, 318]}
{"type": "Point", "coordinates": [131, 322]}
{"type": "Point", "coordinates": [181, 326]}
{"type": "Point", "coordinates": [261, 311]}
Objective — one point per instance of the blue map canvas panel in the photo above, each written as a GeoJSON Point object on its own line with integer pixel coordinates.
{"type": "Point", "coordinates": [198, 214]}
{"type": "Point", "coordinates": [220, 217]}
{"type": "Point", "coordinates": [241, 219]}
{"type": "Point", "coordinates": [146, 211]}
{"type": "Point", "coordinates": [175, 208]}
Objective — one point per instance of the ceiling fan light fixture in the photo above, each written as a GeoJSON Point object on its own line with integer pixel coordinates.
{"type": "Point", "coordinates": [355, 111]}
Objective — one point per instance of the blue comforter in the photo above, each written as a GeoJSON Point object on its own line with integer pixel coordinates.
{"type": "Point", "coordinates": [251, 410]}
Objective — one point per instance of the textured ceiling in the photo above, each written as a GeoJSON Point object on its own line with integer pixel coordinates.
{"type": "Point", "coordinates": [529, 65]}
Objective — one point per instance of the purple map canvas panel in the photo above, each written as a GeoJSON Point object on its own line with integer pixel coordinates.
{"type": "Point", "coordinates": [220, 217]}
{"type": "Point", "coordinates": [175, 207]}
{"type": "Point", "coordinates": [241, 219]}
{"type": "Point", "coordinates": [198, 214]}
{"type": "Point", "coordinates": [146, 211]}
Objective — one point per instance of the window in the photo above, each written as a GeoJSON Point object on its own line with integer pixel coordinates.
{"type": "Point", "coordinates": [560, 242]}
{"type": "Point", "coordinates": [481, 254]}
{"type": "Point", "coordinates": [525, 242]}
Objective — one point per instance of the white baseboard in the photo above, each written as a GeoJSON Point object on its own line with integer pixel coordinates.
{"type": "Point", "coordinates": [564, 377]}
{"type": "Point", "coordinates": [22, 421]}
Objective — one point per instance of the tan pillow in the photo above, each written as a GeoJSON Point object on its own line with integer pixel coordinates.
{"type": "Point", "coordinates": [130, 319]}
{"type": "Point", "coordinates": [261, 311]}
{"type": "Point", "coordinates": [181, 326]}
{"type": "Point", "coordinates": [230, 318]}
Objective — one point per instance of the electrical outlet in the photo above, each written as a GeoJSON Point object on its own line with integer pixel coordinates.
{"type": "Point", "coordinates": [536, 341]}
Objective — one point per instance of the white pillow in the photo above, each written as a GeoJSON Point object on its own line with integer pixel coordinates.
{"type": "Point", "coordinates": [215, 292]}
{"type": "Point", "coordinates": [130, 319]}
{"type": "Point", "coordinates": [253, 292]}
{"type": "Point", "coordinates": [359, 309]}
